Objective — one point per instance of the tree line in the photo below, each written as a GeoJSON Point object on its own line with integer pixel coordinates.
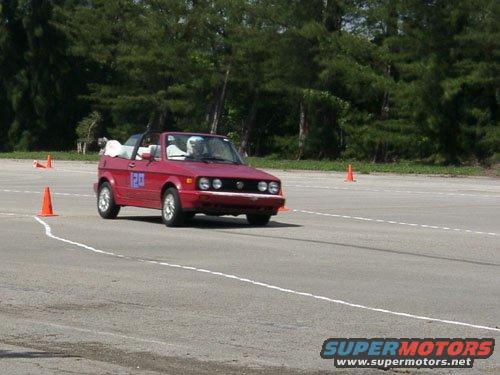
{"type": "Point", "coordinates": [380, 80]}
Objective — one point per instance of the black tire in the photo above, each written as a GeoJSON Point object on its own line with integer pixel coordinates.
{"type": "Point", "coordinates": [171, 211]}
{"type": "Point", "coordinates": [258, 220]}
{"type": "Point", "coordinates": [106, 205]}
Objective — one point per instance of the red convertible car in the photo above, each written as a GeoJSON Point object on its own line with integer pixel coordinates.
{"type": "Point", "coordinates": [183, 174]}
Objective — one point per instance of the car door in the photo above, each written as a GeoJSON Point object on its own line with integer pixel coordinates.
{"type": "Point", "coordinates": [120, 165]}
{"type": "Point", "coordinates": [144, 173]}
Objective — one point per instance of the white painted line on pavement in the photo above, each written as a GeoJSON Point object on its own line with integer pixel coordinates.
{"type": "Point", "coordinates": [396, 222]}
{"type": "Point", "coordinates": [10, 214]}
{"type": "Point", "coordinates": [396, 191]}
{"type": "Point", "coordinates": [48, 233]}
{"type": "Point", "coordinates": [76, 171]}
{"type": "Point", "coordinates": [300, 186]}
{"type": "Point", "coordinates": [302, 211]}
{"type": "Point", "coordinates": [41, 192]}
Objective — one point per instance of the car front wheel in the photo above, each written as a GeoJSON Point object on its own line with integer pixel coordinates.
{"type": "Point", "coordinates": [171, 212]}
{"type": "Point", "coordinates": [258, 220]}
{"type": "Point", "coordinates": [106, 205]}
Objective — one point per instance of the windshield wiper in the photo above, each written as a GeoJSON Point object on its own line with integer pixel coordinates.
{"type": "Point", "coordinates": [214, 158]}
{"type": "Point", "coordinates": [177, 156]}
{"type": "Point", "coordinates": [188, 157]}
{"type": "Point", "coordinates": [204, 159]}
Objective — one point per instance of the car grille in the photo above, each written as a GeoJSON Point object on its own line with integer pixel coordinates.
{"type": "Point", "coordinates": [230, 185]}
{"type": "Point", "coordinates": [249, 186]}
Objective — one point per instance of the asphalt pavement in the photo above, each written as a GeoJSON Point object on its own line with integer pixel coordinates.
{"type": "Point", "coordinates": [385, 256]}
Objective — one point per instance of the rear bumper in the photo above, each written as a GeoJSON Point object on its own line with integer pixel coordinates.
{"type": "Point", "coordinates": [227, 203]}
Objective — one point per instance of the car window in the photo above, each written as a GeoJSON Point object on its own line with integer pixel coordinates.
{"type": "Point", "coordinates": [206, 148]}
{"type": "Point", "coordinates": [127, 148]}
{"type": "Point", "coordinates": [219, 149]}
{"type": "Point", "coordinates": [150, 143]}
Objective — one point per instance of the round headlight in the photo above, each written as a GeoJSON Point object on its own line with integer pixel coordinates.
{"type": "Point", "coordinates": [274, 187]}
{"type": "Point", "coordinates": [204, 183]}
{"type": "Point", "coordinates": [216, 183]}
{"type": "Point", "coordinates": [262, 186]}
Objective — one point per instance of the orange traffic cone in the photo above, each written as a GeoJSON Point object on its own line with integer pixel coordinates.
{"type": "Point", "coordinates": [36, 164]}
{"type": "Point", "coordinates": [49, 162]}
{"type": "Point", "coordinates": [46, 209]}
{"type": "Point", "coordinates": [282, 208]}
{"type": "Point", "coordinates": [349, 177]}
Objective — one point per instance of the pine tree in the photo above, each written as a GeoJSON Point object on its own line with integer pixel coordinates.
{"type": "Point", "coordinates": [380, 80]}
{"type": "Point", "coordinates": [34, 69]}
{"type": "Point", "coordinates": [475, 84]}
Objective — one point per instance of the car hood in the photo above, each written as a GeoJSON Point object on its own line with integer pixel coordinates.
{"type": "Point", "coordinates": [224, 170]}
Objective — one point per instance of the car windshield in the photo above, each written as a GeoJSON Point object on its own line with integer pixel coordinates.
{"type": "Point", "coordinates": [204, 148]}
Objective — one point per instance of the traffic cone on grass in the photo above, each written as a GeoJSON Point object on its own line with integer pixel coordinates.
{"type": "Point", "coordinates": [49, 162]}
{"type": "Point", "coordinates": [37, 164]}
{"type": "Point", "coordinates": [349, 177]}
{"type": "Point", "coordinates": [46, 209]}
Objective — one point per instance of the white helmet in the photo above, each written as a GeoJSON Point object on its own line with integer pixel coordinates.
{"type": "Point", "coordinates": [195, 145]}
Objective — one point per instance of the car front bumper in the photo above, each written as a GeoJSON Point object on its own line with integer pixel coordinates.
{"type": "Point", "coordinates": [228, 203]}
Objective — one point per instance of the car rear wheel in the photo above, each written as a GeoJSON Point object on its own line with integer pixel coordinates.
{"type": "Point", "coordinates": [106, 205]}
{"type": "Point", "coordinates": [171, 212]}
{"type": "Point", "coordinates": [258, 220]}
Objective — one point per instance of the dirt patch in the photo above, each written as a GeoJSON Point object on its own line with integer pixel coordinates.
{"type": "Point", "coordinates": [145, 360]}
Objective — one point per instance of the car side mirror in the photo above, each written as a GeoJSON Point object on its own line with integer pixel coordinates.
{"type": "Point", "coordinates": [147, 156]}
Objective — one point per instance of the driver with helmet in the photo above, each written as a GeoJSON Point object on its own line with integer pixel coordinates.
{"type": "Point", "coordinates": [195, 147]}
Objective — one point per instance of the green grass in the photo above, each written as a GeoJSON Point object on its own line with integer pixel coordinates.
{"type": "Point", "coordinates": [42, 155]}
{"type": "Point", "coordinates": [363, 167]}
{"type": "Point", "coordinates": [406, 167]}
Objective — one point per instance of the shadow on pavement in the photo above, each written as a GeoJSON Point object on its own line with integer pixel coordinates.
{"type": "Point", "coordinates": [28, 354]}
{"type": "Point", "coordinates": [207, 222]}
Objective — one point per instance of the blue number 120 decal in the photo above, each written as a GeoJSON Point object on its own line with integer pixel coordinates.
{"type": "Point", "coordinates": [136, 180]}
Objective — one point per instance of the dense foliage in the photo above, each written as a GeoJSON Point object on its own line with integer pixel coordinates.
{"type": "Point", "coordinates": [379, 80]}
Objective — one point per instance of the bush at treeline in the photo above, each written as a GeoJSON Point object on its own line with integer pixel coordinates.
{"type": "Point", "coordinates": [380, 80]}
